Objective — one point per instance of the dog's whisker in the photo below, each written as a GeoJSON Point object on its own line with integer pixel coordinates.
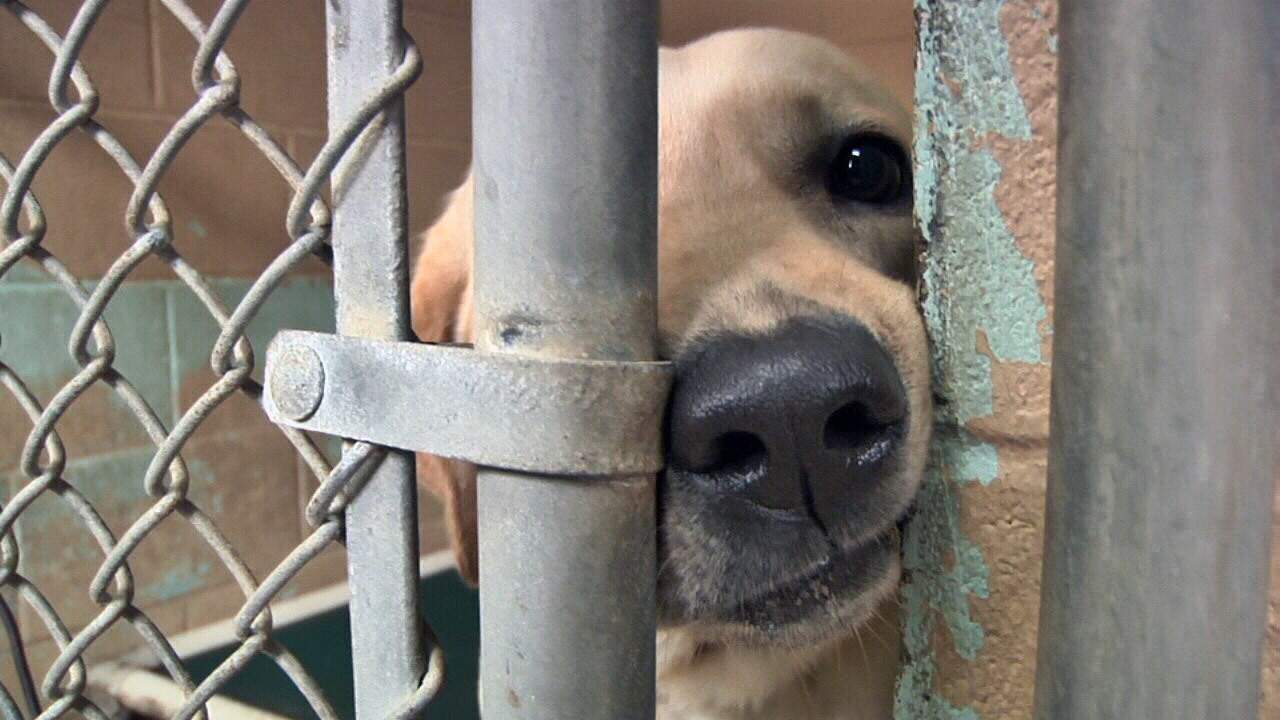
{"type": "Point", "coordinates": [857, 633]}
{"type": "Point", "coordinates": [876, 635]}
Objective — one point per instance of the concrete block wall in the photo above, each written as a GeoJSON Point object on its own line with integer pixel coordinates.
{"type": "Point", "coordinates": [229, 207]}
{"type": "Point", "coordinates": [986, 135]}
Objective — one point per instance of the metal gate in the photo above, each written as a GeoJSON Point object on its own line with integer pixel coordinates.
{"type": "Point", "coordinates": [1163, 454]}
{"type": "Point", "coordinates": [558, 398]}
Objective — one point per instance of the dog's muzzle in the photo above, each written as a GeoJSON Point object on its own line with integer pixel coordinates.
{"type": "Point", "coordinates": [800, 421]}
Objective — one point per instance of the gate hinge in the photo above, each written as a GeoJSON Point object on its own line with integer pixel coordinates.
{"type": "Point", "coordinates": [577, 417]}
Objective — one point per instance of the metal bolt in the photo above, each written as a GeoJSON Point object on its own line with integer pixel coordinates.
{"type": "Point", "coordinates": [296, 381]}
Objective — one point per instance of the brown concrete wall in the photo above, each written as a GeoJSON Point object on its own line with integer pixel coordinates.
{"type": "Point", "coordinates": [140, 58]}
{"type": "Point", "coordinates": [880, 33]}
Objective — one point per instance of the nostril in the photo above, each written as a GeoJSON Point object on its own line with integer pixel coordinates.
{"type": "Point", "coordinates": [783, 419]}
{"type": "Point", "coordinates": [853, 427]}
{"type": "Point", "coordinates": [738, 452]}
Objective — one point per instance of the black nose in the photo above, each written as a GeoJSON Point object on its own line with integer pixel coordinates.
{"type": "Point", "coordinates": [812, 409]}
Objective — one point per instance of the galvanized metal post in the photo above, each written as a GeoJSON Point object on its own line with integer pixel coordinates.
{"type": "Point", "coordinates": [1164, 450]}
{"type": "Point", "coordinates": [371, 286]}
{"type": "Point", "coordinates": [565, 163]}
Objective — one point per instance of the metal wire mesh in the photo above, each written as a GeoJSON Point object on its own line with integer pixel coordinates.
{"type": "Point", "coordinates": [43, 459]}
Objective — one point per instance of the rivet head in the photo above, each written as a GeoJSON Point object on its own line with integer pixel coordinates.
{"type": "Point", "coordinates": [296, 381]}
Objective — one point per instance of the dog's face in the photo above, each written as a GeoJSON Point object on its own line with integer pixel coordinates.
{"type": "Point", "coordinates": [799, 418]}
{"type": "Point", "coordinates": [800, 409]}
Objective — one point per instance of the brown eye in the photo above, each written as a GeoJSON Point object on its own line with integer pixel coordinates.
{"type": "Point", "coordinates": [869, 169]}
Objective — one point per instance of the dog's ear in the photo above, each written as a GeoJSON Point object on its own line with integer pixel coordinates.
{"type": "Point", "coordinates": [440, 297]}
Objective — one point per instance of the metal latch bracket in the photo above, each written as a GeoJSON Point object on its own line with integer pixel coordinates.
{"type": "Point", "coordinates": [578, 417]}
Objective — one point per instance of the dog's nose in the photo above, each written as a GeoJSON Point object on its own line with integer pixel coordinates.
{"type": "Point", "coordinates": [811, 409]}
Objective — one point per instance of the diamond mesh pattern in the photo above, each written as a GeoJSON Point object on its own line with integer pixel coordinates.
{"type": "Point", "coordinates": [43, 460]}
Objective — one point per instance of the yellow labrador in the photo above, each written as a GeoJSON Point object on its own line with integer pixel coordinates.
{"type": "Point", "coordinates": [801, 408]}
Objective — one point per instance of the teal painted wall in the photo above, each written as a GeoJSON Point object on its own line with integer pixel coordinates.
{"type": "Point", "coordinates": [982, 305]}
{"type": "Point", "coordinates": [243, 473]}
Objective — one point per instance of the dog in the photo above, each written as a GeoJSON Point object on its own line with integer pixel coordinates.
{"type": "Point", "coordinates": [801, 409]}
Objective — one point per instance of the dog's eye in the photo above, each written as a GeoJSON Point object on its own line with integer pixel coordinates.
{"type": "Point", "coordinates": [869, 169]}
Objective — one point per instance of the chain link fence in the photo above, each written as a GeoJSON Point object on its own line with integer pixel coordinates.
{"type": "Point", "coordinates": [43, 460]}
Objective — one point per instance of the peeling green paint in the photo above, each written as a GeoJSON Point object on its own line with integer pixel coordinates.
{"type": "Point", "coordinates": [968, 458]}
{"type": "Point", "coordinates": [975, 283]}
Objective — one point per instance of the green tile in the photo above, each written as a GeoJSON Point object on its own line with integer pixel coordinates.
{"type": "Point", "coordinates": [60, 555]}
{"type": "Point", "coordinates": [36, 320]}
{"type": "Point", "coordinates": [297, 304]}
{"type": "Point", "coordinates": [25, 271]}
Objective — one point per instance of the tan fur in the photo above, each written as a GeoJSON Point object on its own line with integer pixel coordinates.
{"type": "Point", "coordinates": [727, 224]}
{"type": "Point", "coordinates": [440, 299]}
{"type": "Point", "coordinates": [848, 678]}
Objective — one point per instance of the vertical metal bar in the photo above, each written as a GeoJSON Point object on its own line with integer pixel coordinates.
{"type": "Point", "coordinates": [565, 163]}
{"type": "Point", "coordinates": [1163, 451]}
{"type": "Point", "coordinates": [371, 286]}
